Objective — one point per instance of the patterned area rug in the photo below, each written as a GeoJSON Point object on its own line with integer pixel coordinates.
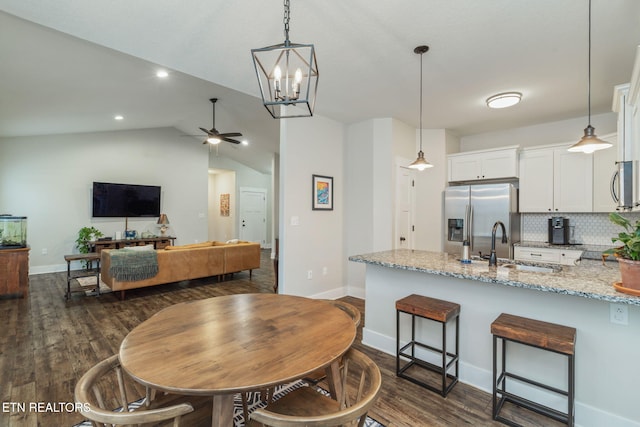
{"type": "Point", "coordinates": [88, 284]}
{"type": "Point", "coordinates": [253, 403]}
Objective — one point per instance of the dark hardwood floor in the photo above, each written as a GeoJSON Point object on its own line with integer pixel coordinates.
{"type": "Point", "coordinates": [47, 343]}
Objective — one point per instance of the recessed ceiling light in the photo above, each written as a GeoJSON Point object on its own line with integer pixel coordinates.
{"type": "Point", "coordinates": [245, 142]}
{"type": "Point", "coordinates": [162, 74]}
{"type": "Point", "coordinates": [118, 117]}
{"type": "Point", "coordinates": [504, 100]}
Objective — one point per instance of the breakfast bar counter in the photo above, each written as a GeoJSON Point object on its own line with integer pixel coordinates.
{"type": "Point", "coordinates": [590, 279]}
{"type": "Point", "coordinates": [580, 296]}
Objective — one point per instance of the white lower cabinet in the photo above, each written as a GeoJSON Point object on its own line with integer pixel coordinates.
{"type": "Point", "coordinates": [547, 255]}
{"type": "Point", "coordinates": [553, 179]}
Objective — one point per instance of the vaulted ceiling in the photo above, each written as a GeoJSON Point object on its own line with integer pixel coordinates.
{"type": "Point", "coordinates": [70, 65]}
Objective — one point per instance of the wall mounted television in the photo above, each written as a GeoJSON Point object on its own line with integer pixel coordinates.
{"type": "Point", "coordinates": [125, 200]}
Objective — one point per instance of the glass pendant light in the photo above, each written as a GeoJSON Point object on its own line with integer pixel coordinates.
{"type": "Point", "coordinates": [420, 163]}
{"type": "Point", "coordinates": [589, 142]}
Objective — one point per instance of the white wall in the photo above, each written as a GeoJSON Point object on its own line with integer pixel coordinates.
{"type": "Point", "coordinates": [372, 149]}
{"type": "Point", "coordinates": [222, 228]}
{"type": "Point", "coordinates": [311, 146]}
{"type": "Point", "coordinates": [358, 218]}
{"type": "Point", "coordinates": [49, 179]}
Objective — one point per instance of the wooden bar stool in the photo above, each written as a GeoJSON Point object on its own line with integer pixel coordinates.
{"type": "Point", "coordinates": [438, 311]}
{"type": "Point", "coordinates": [535, 333]}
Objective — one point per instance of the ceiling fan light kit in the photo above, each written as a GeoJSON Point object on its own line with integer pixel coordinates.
{"type": "Point", "coordinates": [589, 142]}
{"type": "Point", "coordinates": [287, 75]}
{"type": "Point", "coordinates": [420, 163]}
{"type": "Point", "coordinates": [213, 136]}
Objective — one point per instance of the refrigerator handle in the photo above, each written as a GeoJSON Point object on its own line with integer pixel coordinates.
{"type": "Point", "coordinates": [470, 225]}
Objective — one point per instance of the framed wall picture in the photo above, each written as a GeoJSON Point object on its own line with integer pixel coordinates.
{"type": "Point", "coordinates": [322, 191]}
{"type": "Point", "coordinates": [224, 204]}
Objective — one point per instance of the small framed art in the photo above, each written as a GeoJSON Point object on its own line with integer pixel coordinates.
{"type": "Point", "coordinates": [322, 193]}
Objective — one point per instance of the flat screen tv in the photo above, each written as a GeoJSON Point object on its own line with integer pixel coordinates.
{"type": "Point", "coordinates": [125, 200]}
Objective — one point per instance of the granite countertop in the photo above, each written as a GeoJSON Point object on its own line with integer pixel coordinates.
{"type": "Point", "coordinates": [590, 279]}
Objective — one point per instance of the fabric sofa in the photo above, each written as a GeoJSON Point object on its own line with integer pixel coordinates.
{"type": "Point", "coordinates": [177, 263]}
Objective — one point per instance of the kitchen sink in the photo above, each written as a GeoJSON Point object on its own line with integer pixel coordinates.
{"type": "Point", "coordinates": [517, 265]}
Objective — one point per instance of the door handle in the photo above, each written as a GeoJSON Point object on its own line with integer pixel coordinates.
{"type": "Point", "coordinates": [402, 239]}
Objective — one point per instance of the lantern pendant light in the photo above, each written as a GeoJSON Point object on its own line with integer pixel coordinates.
{"type": "Point", "coordinates": [288, 76]}
{"type": "Point", "coordinates": [589, 142]}
{"type": "Point", "coordinates": [420, 163]}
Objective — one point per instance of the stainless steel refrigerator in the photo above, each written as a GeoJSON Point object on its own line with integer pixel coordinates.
{"type": "Point", "coordinates": [470, 211]}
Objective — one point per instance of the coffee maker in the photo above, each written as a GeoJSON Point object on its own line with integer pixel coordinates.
{"type": "Point", "coordinates": [559, 230]}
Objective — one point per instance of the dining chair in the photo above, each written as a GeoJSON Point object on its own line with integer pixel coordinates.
{"type": "Point", "coordinates": [306, 406]}
{"type": "Point", "coordinates": [105, 396]}
{"type": "Point", "coordinates": [351, 310]}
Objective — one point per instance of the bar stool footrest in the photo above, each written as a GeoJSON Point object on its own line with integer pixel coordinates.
{"type": "Point", "coordinates": [532, 382]}
{"type": "Point", "coordinates": [415, 361]}
{"type": "Point", "coordinates": [431, 367]}
{"type": "Point", "coordinates": [530, 405]}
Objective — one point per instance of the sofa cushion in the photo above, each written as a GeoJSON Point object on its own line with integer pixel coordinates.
{"type": "Point", "coordinates": [190, 246]}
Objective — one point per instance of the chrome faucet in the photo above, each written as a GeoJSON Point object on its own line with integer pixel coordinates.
{"type": "Point", "coordinates": [493, 259]}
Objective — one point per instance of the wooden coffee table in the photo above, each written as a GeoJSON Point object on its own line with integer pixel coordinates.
{"type": "Point", "coordinates": [225, 345]}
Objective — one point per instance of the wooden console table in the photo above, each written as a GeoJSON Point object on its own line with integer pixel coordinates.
{"type": "Point", "coordinates": [157, 242]}
{"type": "Point", "coordinates": [14, 271]}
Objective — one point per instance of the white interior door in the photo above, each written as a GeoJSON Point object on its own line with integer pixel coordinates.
{"type": "Point", "coordinates": [404, 208]}
{"type": "Point", "coordinates": [253, 215]}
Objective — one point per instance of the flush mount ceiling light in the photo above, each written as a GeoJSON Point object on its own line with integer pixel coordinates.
{"type": "Point", "coordinates": [504, 100]}
{"type": "Point", "coordinates": [589, 142]}
{"type": "Point", "coordinates": [288, 76]}
{"type": "Point", "coordinates": [420, 163]}
{"type": "Point", "coordinates": [162, 74]}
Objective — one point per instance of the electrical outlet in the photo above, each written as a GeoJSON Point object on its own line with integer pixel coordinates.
{"type": "Point", "coordinates": [619, 313]}
{"type": "Point", "coordinates": [310, 274]}
{"type": "Point", "coordinates": [324, 271]}
{"type": "Point", "coordinates": [44, 251]}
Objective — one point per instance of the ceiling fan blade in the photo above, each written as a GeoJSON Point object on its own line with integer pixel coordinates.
{"type": "Point", "coordinates": [205, 131]}
{"type": "Point", "coordinates": [233, 141]}
{"type": "Point", "coordinates": [230, 134]}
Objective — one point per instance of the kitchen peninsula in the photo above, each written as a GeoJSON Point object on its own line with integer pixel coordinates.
{"type": "Point", "coordinates": [607, 354]}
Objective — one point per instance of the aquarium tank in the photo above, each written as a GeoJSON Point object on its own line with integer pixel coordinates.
{"type": "Point", "coordinates": [13, 232]}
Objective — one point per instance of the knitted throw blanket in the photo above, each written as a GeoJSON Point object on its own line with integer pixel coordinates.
{"type": "Point", "coordinates": [129, 266]}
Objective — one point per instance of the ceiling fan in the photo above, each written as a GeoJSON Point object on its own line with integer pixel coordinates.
{"type": "Point", "coordinates": [213, 136]}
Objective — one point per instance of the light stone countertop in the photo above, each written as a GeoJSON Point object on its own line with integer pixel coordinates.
{"type": "Point", "coordinates": [591, 279]}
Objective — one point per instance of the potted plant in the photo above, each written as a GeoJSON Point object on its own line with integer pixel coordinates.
{"type": "Point", "coordinates": [86, 235]}
{"type": "Point", "coordinates": [628, 254]}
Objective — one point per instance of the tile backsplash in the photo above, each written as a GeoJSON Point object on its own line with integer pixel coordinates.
{"type": "Point", "coordinates": [590, 228]}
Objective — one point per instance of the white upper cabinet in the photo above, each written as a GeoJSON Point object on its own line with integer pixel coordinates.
{"type": "Point", "coordinates": [604, 166]}
{"type": "Point", "coordinates": [555, 180]}
{"type": "Point", "coordinates": [487, 164]}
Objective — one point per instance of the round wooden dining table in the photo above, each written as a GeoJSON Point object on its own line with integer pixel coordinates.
{"type": "Point", "coordinates": [236, 343]}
